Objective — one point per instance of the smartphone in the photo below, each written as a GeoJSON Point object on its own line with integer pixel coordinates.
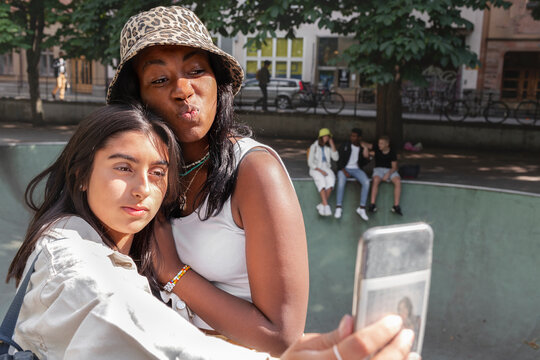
{"type": "Point", "coordinates": [393, 272]}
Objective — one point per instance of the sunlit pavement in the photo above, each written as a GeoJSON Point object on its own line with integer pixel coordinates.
{"type": "Point", "coordinates": [519, 171]}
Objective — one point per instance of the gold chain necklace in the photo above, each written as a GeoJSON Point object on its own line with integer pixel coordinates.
{"type": "Point", "coordinates": [183, 198]}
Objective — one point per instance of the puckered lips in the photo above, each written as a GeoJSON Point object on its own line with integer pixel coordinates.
{"type": "Point", "coordinates": [188, 112]}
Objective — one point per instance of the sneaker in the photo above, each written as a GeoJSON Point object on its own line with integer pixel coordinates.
{"type": "Point", "coordinates": [320, 209]}
{"type": "Point", "coordinates": [372, 208]}
{"type": "Point", "coordinates": [338, 212]}
{"type": "Point", "coordinates": [362, 212]}
{"type": "Point", "coordinates": [397, 210]}
{"type": "Point", "coordinates": [327, 210]}
{"type": "Point", "coordinates": [53, 96]}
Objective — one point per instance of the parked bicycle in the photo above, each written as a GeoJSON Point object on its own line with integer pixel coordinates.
{"type": "Point", "coordinates": [528, 111]}
{"type": "Point", "coordinates": [493, 111]}
{"type": "Point", "coordinates": [331, 101]}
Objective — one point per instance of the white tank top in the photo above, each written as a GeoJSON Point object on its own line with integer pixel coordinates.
{"type": "Point", "coordinates": [216, 248]}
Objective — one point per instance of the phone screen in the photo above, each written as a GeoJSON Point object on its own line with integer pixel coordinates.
{"type": "Point", "coordinates": [393, 271]}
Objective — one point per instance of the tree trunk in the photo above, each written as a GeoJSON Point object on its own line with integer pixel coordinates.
{"type": "Point", "coordinates": [389, 113]}
{"type": "Point", "coordinates": [36, 104]}
{"type": "Point", "coordinates": [33, 54]}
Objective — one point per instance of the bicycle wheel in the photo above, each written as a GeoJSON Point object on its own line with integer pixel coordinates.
{"type": "Point", "coordinates": [301, 101]}
{"type": "Point", "coordinates": [333, 103]}
{"type": "Point", "coordinates": [525, 112]}
{"type": "Point", "coordinates": [496, 112]}
{"type": "Point", "coordinates": [456, 110]}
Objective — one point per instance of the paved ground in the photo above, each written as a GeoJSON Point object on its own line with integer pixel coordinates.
{"type": "Point", "coordinates": [519, 171]}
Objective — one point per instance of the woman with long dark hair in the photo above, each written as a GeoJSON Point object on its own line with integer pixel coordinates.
{"type": "Point", "coordinates": [238, 224]}
{"type": "Point", "coordinates": [237, 264]}
{"type": "Point", "coordinates": [92, 236]}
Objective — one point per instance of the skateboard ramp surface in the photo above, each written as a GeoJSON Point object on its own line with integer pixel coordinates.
{"type": "Point", "coordinates": [485, 285]}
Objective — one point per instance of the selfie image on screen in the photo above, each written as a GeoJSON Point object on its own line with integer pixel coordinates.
{"type": "Point", "coordinates": [404, 295]}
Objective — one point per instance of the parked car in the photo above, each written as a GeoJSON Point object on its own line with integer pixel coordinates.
{"type": "Point", "coordinates": [280, 92]}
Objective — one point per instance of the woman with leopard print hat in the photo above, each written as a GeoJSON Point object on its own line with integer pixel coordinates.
{"type": "Point", "coordinates": [238, 225]}
{"type": "Point", "coordinates": [233, 258]}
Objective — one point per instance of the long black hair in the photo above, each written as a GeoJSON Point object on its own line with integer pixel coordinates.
{"type": "Point", "coordinates": [70, 173]}
{"type": "Point", "coordinates": [221, 177]}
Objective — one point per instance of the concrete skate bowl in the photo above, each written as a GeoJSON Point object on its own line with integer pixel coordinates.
{"type": "Point", "coordinates": [485, 287]}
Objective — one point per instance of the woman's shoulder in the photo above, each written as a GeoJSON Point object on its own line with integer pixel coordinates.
{"type": "Point", "coordinates": [72, 248]}
{"type": "Point", "coordinates": [72, 227]}
{"type": "Point", "coordinates": [71, 237]}
{"type": "Point", "coordinates": [67, 244]}
{"type": "Point", "coordinates": [243, 145]}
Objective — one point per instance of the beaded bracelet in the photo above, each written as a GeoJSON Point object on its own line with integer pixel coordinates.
{"type": "Point", "coordinates": [170, 285]}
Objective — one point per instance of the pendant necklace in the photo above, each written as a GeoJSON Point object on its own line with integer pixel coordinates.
{"type": "Point", "coordinates": [183, 198]}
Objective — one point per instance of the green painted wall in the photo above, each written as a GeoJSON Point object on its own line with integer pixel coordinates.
{"type": "Point", "coordinates": [485, 290]}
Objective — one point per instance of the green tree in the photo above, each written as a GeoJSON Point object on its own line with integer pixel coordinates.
{"type": "Point", "coordinates": [22, 25]}
{"type": "Point", "coordinates": [396, 39]}
{"type": "Point", "coordinates": [92, 29]}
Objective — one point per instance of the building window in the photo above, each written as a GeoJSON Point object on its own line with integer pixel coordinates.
{"type": "Point", "coordinates": [286, 56]}
{"type": "Point", "coordinates": [45, 63]}
{"type": "Point", "coordinates": [282, 48]}
{"type": "Point", "coordinates": [326, 77]}
{"type": "Point", "coordinates": [6, 64]}
{"type": "Point", "coordinates": [267, 48]}
{"type": "Point", "coordinates": [281, 69]}
{"type": "Point", "coordinates": [296, 70]}
{"type": "Point", "coordinates": [251, 69]}
{"type": "Point", "coordinates": [252, 49]}
{"type": "Point", "coordinates": [297, 48]}
{"type": "Point", "coordinates": [521, 76]}
{"type": "Point", "coordinates": [328, 50]}
{"type": "Point", "coordinates": [83, 71]}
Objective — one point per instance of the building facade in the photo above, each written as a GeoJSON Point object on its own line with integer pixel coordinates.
{"type": "Point", "coordinates": [510, 53]}
{"type": "Point", "coordinates": [507, 43]}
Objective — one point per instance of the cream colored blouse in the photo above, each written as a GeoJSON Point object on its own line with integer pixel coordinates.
{"type": "Point", "coordinates": [87, 301]}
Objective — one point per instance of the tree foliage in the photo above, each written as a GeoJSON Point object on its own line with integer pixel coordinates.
{"type": "Point", "coordinates": [22, 26]}
{"type": "Point", "coordinates": [393, 36]}
{"type": "Point", "coordinates": [92, 29]}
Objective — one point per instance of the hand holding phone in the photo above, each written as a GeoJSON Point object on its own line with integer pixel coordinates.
{"type": "Point", "coordinates": [393, 271]}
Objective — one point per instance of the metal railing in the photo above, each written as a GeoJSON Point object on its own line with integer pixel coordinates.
{"type": "Point", "coordinates": [427, 103]}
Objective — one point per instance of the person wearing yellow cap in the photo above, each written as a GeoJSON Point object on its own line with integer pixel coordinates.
{"type": "Point", "coordinates": [321, 154]}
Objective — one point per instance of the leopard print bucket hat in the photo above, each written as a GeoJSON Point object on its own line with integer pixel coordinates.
{"type": "Point", "coordinates": [172, 25]}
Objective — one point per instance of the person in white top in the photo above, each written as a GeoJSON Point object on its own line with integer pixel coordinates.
{"type": "Point", "coordinates": [320, 156]}
{"type": "Point", "coordinates": [239, 251]}
{"type": "Point", "coordinates": [92, 236]}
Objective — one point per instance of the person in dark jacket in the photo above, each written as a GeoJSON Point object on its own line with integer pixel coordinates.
{"type": "Point", "coordinates": [263, 75]}
{"type": "Point", "coordinates": [352, 157]}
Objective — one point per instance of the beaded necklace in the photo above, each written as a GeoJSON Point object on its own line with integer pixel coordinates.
{"type": "Point", "coordinates": [195, 164]}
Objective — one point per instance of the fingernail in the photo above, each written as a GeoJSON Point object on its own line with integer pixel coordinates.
{"type": "Point", "coordinates": [407, 336]}
{"type": "Point", "coordinates": [414, 356]}
{"type": "Point", "coordinates": [393, 322]}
